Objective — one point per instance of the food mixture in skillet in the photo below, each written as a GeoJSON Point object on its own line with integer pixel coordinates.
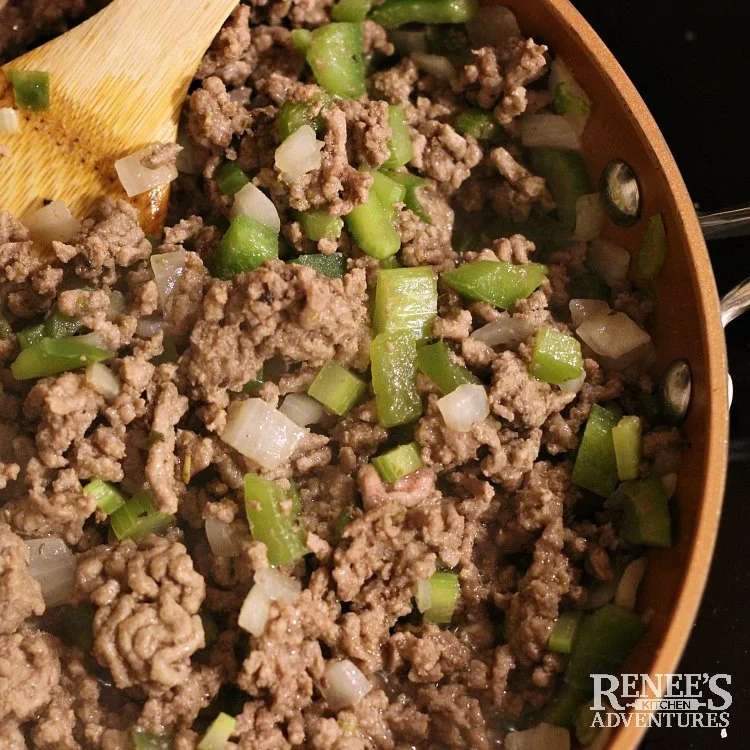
{"type": "Point", "coordinates": [364, 451]}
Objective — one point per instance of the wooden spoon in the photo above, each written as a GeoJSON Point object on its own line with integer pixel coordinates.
{"type": "Point", "coordinates": [118, 82]}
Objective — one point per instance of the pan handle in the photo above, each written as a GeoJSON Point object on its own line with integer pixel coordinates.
{"type": "Point", "coordinates": [730, 222]}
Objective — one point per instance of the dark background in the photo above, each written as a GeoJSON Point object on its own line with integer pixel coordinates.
{"type": "Point", "coordinates": [691, 63]}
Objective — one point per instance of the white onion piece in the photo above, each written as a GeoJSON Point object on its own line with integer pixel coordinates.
{"type": "Point", "coordinates": [253, 614]}
{"type": "Point", "coordinates": [464, 407]}
{"type": "Point", "coordinates": [148, 327]}
{"type": "Point", "coordinates": [406, 41]}
{"type": "Point", "coordinates": [436, 65]}
{"type": "Point", "coordinates": [574, 384]}
{"type": "Point", "coordinates": [223, 538]}
{"type": "Point", "coordinates": [344, 684]}
{"type": "Point", "coordinates": [167, 268]}
{"type": "Point", "coordinates": [93, 339]}
{"type": "Point", "coordinates": [613, 336]}
{"type": "Point", "coordinates": [53, 565]}
{"type": "Point", "coordinates": [116, 304]}
{"type": "Point", "coordinates": [490, 26]}
{"type": "Point", "coordinates": [302, 409]}
{"type": "Point", "coordinates": [52, 222]}
{"type": "Point", "coordinates": [9, 122]}
{"type": "Point", "coordinates": [541, 737]}
{"type": "Point", "coordinates": [423, 594]}
{"type": "Point", "coordinates": [669, 482]}
{"type": "Point", "coordinates": [253, 202]}
{"type": "Point", "coordinates": [137, 179]}
{"type": "Point", "coordinates": [261, 433]}
{"type": "Point", "coordinates": [298, 154]}
{"type": "Point", "coordinates": [589, 218]}
{"type": "Point", "coordinates": [277, 586]}
{"type": "Point", "coordinates": [608, 260]}
{"type": "Point", "coordinates": [627, 588]}
{"type": "Point", "coordinates": [241, 95]}
{"type": "Point", "coordinates": [103, 380]}
{"type": "Point", "coordinates": [548, 130]}
{"type": "Point", "coordinates": [504, 331]}
{"type": "Point", "coordinates": [587, 309]}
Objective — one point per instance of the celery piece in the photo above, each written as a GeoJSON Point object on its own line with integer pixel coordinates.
{"type": "Point", "coordinates": [230, 178]}
{"type": "Point", "coordinates": [293, 115]}
{"type": "Point", "coordinates": [411, 182]}
{"type": "Point", "coordinates": [371, 225]}
{"type": "Point", "coordinates": [31, 335]}
{"type": "Point", "coordinates": [245, 246]}
{"type": "Point", "coordinates": [567, 177]}
{"type": "Point", "coordinates": [626, 436]}
{"type": "Point", "coordinates": [351, 10]}
{"type": "Point", "coordinates": [318, 224]}
{"type": "Point", "coordinates": [395, 13]}
{"type": "Point", "coordinates": [406, 300]}
{"type": "Point", "coordinates": [337, 388]}
{"type": "Point", "coordinates": [400, 141]}
{"type": "Point", "coordinates": [217, 735]}
{"type": "Point", "coordinates": [398, 462]}
{"type": "Point", "coordinates": [108, 498]}
{"type": "Point", "coordinates": [336, 58]}
{"type": "Point", "coordinates": [301, 39]}
{"type": "Point", "coordinates": [595, 468]}
{"type": "Point", "coordinates": [58, 326]}
{"type": "Point", "coordinates": [585, 729]}
{"type": "Point", "coordinates": [5, 329]}
{"type": "Point", "coordinates": [567, 102]}
{"type": "Point", "coordinates": [562, 708]}
{"type": "Point", "coordinates": [78, 625]}
{"type": "Point", "coordinates": [479, 123]}
{"type": "Point", "coordinates": [31, 88]}
{"type": "Point", "coordinates": [333, 265]}
{"type": "Point", "coordinates": [444, 590]}
{"type": "Point", "coordinates": [605, 638]}
{"type": "Point", "coordinates": [393, 357]}
{"type": "Point", "coordinates": [138, 518]}
{"type": "Point", "coordinates": [645, 514]}
{"type": "Point", "coordinates": [147, 741]}
{"type": "Point", "coordinates": [434, 360]}
{"type": "Point", "coordinates": [564, 632]}
{"type": "Point", "coordinates": [500, 284]}
{"type": "Point", "coordinates": [52, 356]}
{"type": "Point", "coordinates": [557, 357]}
{"type": "Point", "coordinates": [653, 250]}
{"type": "Point", "coordinates": [268, 522]}
{"type": "Point", "coordinates": [389, 191]}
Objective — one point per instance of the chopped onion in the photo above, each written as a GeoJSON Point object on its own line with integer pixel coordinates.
{"type": "Point", "coordinates": [116, 304]}
{"type": "Point", "coordinates": [491, 25]}
{"type": "Point", "coordinates": [137, 179]}
{"type": "Point", "coordinates": [587, 309]}
{"type": "Point", "coordinates": [547, 736]}
{"type": "Point", "coordinates": [574, 384]}
{"type": "Point", "coordinates": [298, 154]}
{"type": "Point", "coordinates": [223, 538]}
{"type": "Point", "coordinates": [254, 203]}
{"type": "Point", "coordinates": [561, 73]}
{"type": "Point", "coordinates": [261, 433]}
{"type": "Point", "coordinates": [669, 482]}
{"type": "Point", "coordinates": [53, 565]}
{"type": "Point", "coordinates": [277, 586]}
{"type": "Point", "coordinates": [600, 594]}
{"type": "Point", "coordinates": [615, 336]}
{"type": "Point", "coordinates": [52, 222]}
{"type": "Point", "coordinates": [167, 268]}
{"type": "Point", "coordinates": [407, 41]}
{"type": "Point", "coordinates": [589, 217]}
{"type": "Point", "coordinates": [423, 594]}
{"type": "Point", "coordinates": [9, 122]}
{"type": "Point", "coordinates": [627, 588]}
{"type": "Point", "coordinates": [548, 130]}
{"type": "Point", "coordinates": [93, 339]}
{"type": "Point", "coordinates": [344, 684]}
{"type": "Point", "coordinates": [436, 65]}
{"type": "Point", "coordinates": [464, 407]}
{"type": "Point", "coordinates": [148, 327]}
{"type": "Point", "coordinates": [103, 380]}
{"type": "Point", "coordinates": [302, 409]}
{"type": "Point", "coordinates": [254, 611]}
{"type": "Point", "coordinates": [608, 260]}
{"type": "Point", "coordinates": [504, 331]}
{"type": "Point", "coordinates": [241, 95]}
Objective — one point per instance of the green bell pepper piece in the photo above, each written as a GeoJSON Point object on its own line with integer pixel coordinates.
{"type": "Point", "coordinates": [337, 388]}
{"type": "Point", "coordinates": [563, 707]}
{"type": "Point", "coordinates": [399, 144]}
{"type": "Point", "coordinates": [653, 250]}
{"type": "Point", "coordinates": [301, 39]}
{"type": "Point", "coordinates": [389, 191]}
{"type": "Point", "coordinates": [434, 360]}
{"type": "Point", "coordinates": [351, 10]}
{"type": "Point", "coordinates": [563, 634]}
{"type": "Point", "coordinates": [245, 246]}
{"type": "Point", "coordinates": [147, 741]}
{"type": "Point", "coordinates": [444, 590]}
{"type": "Point", "coordinates": [645, 514]}
{"type": "Point", "coordinates": [406, 300]}
{"type": "Point", "coordinates": [411, 182]}
{"type": "Point", "coordinates": [336, 58]}
{"type": "Point", "coordinates": [59, 326]}
{"type": "Point", "coordinates": [567, 177]}
{"type": "Point", "coordinates": [395, 13]}
{"type": "Point", "coordinates": [31, 335]}
{"type": "Point", "coordinates": [567, 102]}
{"type": "Point", "coordinates": [31, 88]}
{"type": "Point", "coordinates": [293, 115]}
{"type": "Point", "coordinates": [399, 462]}
{"type": "Point", "coordinates": [626, 435]}
{"type": "Point", "coordinates": [557, 357]}
{"type": "Point", "coordinates": [479, 123]}
{"type": "Point", "coordinates": [6, 331]}
{"type": "Point", "coordinates": [393, 357]}
{"type": "Point", "coordinates": [595, 468]}
{"type": "Point", "coordinates": [108, 498]}
{"type": "Point", "coordinates": [230, 179]}
{"type": "Point", "coordinates": [52, 356]}
{"type": "Point", "coordinates": [138, 517]}
{"type": "Point", "coordinates": [371, 225]}
{"type": "Point", "coordinates": [318, 224]}
{"type": "Point", "coordinates": [333, 265]}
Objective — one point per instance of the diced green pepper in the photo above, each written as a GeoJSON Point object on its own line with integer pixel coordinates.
{"type": "Point", "coordinates": [392, 262]}
{"type": "Point", "coordinates": [557, 357]}
{"type": "Point", "coordinates": [411, 182]}
{"type": "Point", "coordinates": [52, 356]}
{"type": "Point", "coordinates": [31, 88]}
{"type": "Point", "coordinates": [217, 735]}
{"type": "Point", "coordinates": [389, 191]}
{"type": "Point", "coordinates": [78, 625]}
{"type": "Point", "coordinates": [245, 246]}
{"type": "Point", "coordinates": [31, 335]}
{"type": "Point", "coordinates": [333, 265]}
{"type": "Point", "coordinates": [586, 730]}
{"type": "Point", "coordinates": [626, 435]}
{"type": "Point", "coordinates": [645, 514]}
{"type": "Point", "coordinates": [394, 374]}
{"type": "Point", "coordinates": [301, 39]}
{"type": "Point", "coordinates": [399, 462]}
{"type": "Point", "coordinates": [444, 589]}
{"type": "Point", "coordinates": [147, 741]}
{"type": "Point", "coordinates": [268, 522]}
{"type": "Point", "coordinates": [351, 10]}
{"type": "Point", "coordinates": [653, 250]}
{"type": "Point", "coordinates": [406, 300]}
{"type": "Point", "coordinates": [138, 518]}
{"type": "Point", "coordinates": [318, 224]}
{"type": "Point", "coordinates": [434, 360]}
{"type": "Point", "coordinates": [567, 102]}
{"type": "Point", "coordinates": [337, 388]}
{"type": "Point", "coordinates": [562, 709]}
{"type": "Point", "coordinates": [595, 468]}
{"type": "Point", "coordinates": [336, 58]}
{"type": "Point", "coordinates": [59, 326]}
{"type": "Point", "coordinates": [567, 177]}
{"type": "Point", "coordinates": [293, 115]}
{"type": "Point", "coordinates": [395, 13]}
{"type": "Point", "coordinates": [501, 284]}
{"type": "Point", "coordinates": [5, 329]}
{"type": "Point", "coordinates": [563, 634]}
{"type": "Point", "coordinates": [399, 144]}
{"type": "Point", "coordinates": [371, 225]}
{"type": "Point", "coordinates": [479, 123]}
{"type": "Point", "coordinates": [604, 640]}
{"type": "Point", "coordinates": [230, 178]}
{"type": "Point", "coordinates": [108, 498]}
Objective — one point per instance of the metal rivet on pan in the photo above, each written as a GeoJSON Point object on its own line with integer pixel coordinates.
{"type": "Point", "coordinates": [620, 193]}
{"type": "Point", "coordinates": [675, 389]}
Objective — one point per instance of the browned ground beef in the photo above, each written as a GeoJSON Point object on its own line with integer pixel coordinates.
{"type": "Point", "coordinates": [496, 504]}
